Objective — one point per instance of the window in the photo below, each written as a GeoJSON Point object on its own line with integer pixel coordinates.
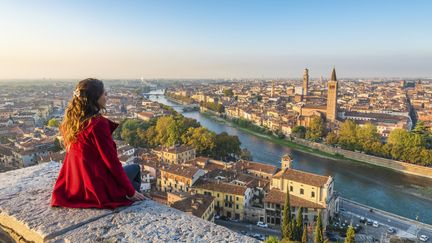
{"type": "Point", "coordinates": [226, 204]}
{"type": "Point", "coordinates": [237, 198]}
{"type": "Point", "coordinates": [218, 195]}
{"type": "Point", "coordinates": [301, 191]}
{"type": "Point", "coordinates": [230, 198]}
{"type": "Point", "coordinates": [312, 194]}
{"type": "Point", "coordinates": [291, 188]}
{"type": "Point", "coordinates": [236, 206]}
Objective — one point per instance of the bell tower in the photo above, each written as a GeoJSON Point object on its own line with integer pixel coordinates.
{"type": "Point", "coordinates": [286, 162]}
{"type": "Point", "coordinates": [305, 81]}
{"type": "Point", "coordinates": [332, 85]}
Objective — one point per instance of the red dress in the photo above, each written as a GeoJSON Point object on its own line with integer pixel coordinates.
{"type": "Point", "coordinates": [92, 175]}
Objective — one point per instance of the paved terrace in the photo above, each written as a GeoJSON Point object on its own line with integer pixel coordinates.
{"type": "Point", "coordinates": [25, 214]}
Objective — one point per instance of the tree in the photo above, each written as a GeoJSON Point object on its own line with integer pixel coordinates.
{"type": "Point", "coordinates": [299, 131]}
{"type": "Point", "coordinates": [228, 92]}
{"type": "Point", "coordinates": [315, 131]}
{"type": "Point", "coordinates": [304, 236]}
{"type": "Point", "coordinates": [347, 135]}
{"type": "Point", "coordinates": [331, 138]}
{"type": "Point", "coordinates": [200, 138]}
{"type": "Point", "coordinates": [286, 219]}
{"type": "Point", "coordinates": [299, 226]}
{"type": "Point", "coordinates": [425, 135]}
{"type": "Point", "coordinates": [117, 132]}
{"type": "Point", "coordinates": [397, 136]}
{"type": "Point", "coordinates": [226, 146]}
{"type": "Point", "coordinates": [318, 234]}
{"type": "Point", "coordinates": [53, 123]}
{"type": "Point", "coordinates": [129, 131]}
{"type": "Point", "coordinates": [150, 136]}
{"type": "Point", "coordinates": [350, 235]}
{"type": "Point", "coordinates": [293, 230]}
{"type": "Point", "coordinates": [245, 154]}
{"type": "Point", "coordinates": [272, 239]}
{"type": "Point", "coordinates": [366, 136]}
{"type": "Point", "coordinates": [168, 131]}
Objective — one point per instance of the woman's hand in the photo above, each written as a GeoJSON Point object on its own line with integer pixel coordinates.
{"type": "Point", "coordinates": [136, 197]}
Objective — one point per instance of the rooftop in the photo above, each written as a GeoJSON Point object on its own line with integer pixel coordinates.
{"type": "Point", "coordinates": [302, 177]}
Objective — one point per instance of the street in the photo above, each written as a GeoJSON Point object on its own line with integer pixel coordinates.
{"type": "Point", "coordinates": [352, 211]}
{"type": "Point", "coordinates": [246, 228]}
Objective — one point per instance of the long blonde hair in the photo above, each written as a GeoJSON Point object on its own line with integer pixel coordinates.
{"type": "Point", "coordinates": [83, 106]}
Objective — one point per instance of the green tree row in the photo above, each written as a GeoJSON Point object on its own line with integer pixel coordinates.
{"type": "Point", "coordinates": [249, 125]}
{"type": "Point", "coordinates": [409, 146]}
{"type": "Point", "coordinates": [177, 129]}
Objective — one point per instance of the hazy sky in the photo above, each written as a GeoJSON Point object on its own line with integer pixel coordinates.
{"type": "Point", "coordinates": [214, 39]}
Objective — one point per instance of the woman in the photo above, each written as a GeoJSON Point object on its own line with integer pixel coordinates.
{"type": "Point", "coordinates": [92, 175]}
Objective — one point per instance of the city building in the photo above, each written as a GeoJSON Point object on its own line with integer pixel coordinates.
{"type": "Point", "coordinates": [230, 199]}
{"type": "Point", "coordinates": [178, 178]}
{"type": "Point", "coordinates": [313, 193]}
{"type": "Point", "coordinates": [175, 154]}
{"type": "Point", "coordinates": [201, 206]}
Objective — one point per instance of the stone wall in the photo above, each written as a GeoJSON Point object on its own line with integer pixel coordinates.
{"type": "Point", "coordinates": [25, 195]}
{"type": "Point", "coordinates": [383, 162]}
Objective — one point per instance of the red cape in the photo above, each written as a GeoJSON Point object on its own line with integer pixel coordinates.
{"type": "Point", "coordinates": [92, 175]}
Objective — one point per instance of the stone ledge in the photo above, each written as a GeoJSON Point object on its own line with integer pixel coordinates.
{"type": "Point", "coordinates": [25, 196]}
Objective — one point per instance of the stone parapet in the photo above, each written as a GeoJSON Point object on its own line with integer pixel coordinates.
{"type": "Point", "coordinates": [25, 213]}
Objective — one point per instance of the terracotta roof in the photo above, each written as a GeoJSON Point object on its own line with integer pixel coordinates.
{"type": "Point", "coordinates": [196, 204]}
{"type": "Point", "coordinates": [256, 166]}
{"type": "Point", "coordinates": [276, 196]}
{"type": "Point", "coordinates": [180, 170]}
{"type": "Point", "coordinates": [146, 114]}
{"type": "Point", "coordinates": [302, 177]}
{"type": "Point", "coordinates": [215, 185]}
{"type": "Point", "coordinates": [253, 181]}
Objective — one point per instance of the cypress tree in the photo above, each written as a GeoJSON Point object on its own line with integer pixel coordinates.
{"type": "Point", "coordinates": [293, 236]}
{"type": "Point", "coordinates": [299, 221]}
{"type": "Point", "coordinates": [318, 235]}
{"type": "Point", "coordinates": [286, 218]}
{"type": "Point", "coordinates": [350, 235]}
{"type": "Point", "coordinates": [304, 238]}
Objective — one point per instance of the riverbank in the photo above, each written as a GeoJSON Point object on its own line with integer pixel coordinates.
{"type": "Point", "coordinates": [279, 141]}
{"type": "Point", "coordinates": [176, 100]}
{"type": "Point", "coordinates": [325, 151]}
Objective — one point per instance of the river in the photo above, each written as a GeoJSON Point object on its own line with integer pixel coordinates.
{"type": "Point", "coordinates": [367, 184]}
